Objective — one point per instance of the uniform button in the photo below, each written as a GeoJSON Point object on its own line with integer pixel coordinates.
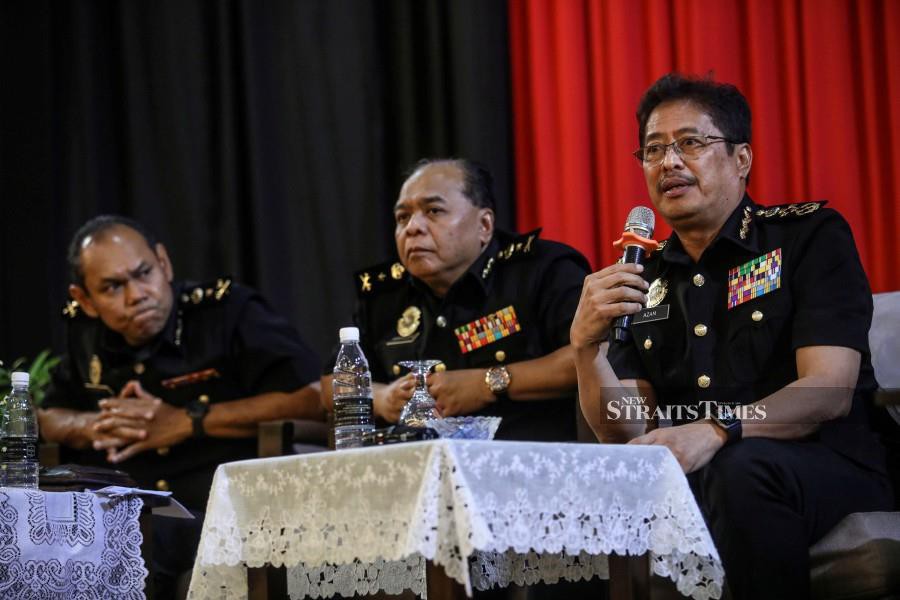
{"type": "Point", "coordinates": [162, 485]}
{"type": "Point", "coordinates": [441, 321]}
{"type": "Point", "coordinates": [757, 316]}
{"type": "Point", "coordinates": [164, 451]}
{"type": "Point", "coordinates": [700, 330]}
{"type": "Point", "coordinates": [139, 368]}
{"type": "Point", "coordinates": [500, 355]}
{"type": "Point", "coordinates": [703, 381]}
{"type": "Point", "coordinates": [396, 369]}
{"type": "Point", "coordinates": [699, 280]}
{"type": "Point", "coordinates": [440, 367]}
{"type": "Point", "coordinates": [648, 343]}
{"type": "Point", "coordinates": [203, 398]}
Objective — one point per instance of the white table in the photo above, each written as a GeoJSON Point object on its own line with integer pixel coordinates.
{"type": "Point", "coordinates": [490, 513]}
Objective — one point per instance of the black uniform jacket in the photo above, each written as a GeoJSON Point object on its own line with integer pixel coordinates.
{"type": "Point", "coordinates": [222, 342]}
{"type": "Point", "coordinates": [515, 303]}
{"type": "Point", "coordinates": [726, 329]}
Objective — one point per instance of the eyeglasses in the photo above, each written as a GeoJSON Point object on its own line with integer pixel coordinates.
{"type": "Point", "coordinates": [689, 147]}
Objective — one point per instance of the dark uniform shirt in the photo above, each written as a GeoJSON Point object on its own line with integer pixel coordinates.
{"type": "Point", "coordinates": [726, 329]}
{"type": "Point", "coordinates": [515, 303]}
{"type": "Point", "coordinates": [222, 342]}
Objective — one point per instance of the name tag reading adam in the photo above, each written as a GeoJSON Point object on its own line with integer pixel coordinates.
{"type": "Point", "coordinates": [657, 313]}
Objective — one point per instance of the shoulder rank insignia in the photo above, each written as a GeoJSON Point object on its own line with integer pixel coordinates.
{"type": "Point", "coordinates": [785, 211]}
{"type": "Point", "coordinates": [383, 276]}
{"type": "Point", "coordinates": [212, 291]}
{"type": "Point", "coordinates": [518, 246]}
{"type": "Point", "coordinates": [72, 309]}
{"type": "Point", "coordinates": [487, 329]}
{"type": "Point", "coordinates": [754, 278]}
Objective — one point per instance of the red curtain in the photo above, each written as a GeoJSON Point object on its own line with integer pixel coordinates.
{"type": "Point", "coordinates": [822, 78]}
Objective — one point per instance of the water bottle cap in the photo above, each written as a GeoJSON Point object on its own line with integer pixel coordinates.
{"type": "Point", "coordinates": [349, 334]}
{"type": "Point", "coordinates": [20, 378]}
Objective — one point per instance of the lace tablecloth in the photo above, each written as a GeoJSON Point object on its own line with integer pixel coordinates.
{"type": "Point", "coordinates": [491, 513]}
{"type": "Point", "coordinates": [57, 545]}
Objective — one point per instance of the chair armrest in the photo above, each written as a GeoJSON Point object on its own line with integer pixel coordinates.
{"type": "Point", "coordinates": [277, 437]}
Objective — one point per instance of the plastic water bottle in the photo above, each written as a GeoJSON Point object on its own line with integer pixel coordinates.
{"type": "Point", "coordinates": [19, 436]}
{"type": "Point", "coordinates": [352, 386]}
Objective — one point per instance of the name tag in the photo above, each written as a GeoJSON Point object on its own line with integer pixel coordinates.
{"type": "Point", "coordinates": [657, 313]}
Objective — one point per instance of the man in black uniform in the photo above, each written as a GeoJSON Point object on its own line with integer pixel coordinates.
{"type": "Point", "coordinates": [750, 332]}
{"type": "Point", "coordinates": [494, 307]}
{"type": "Point", "coordinates": [168, 380]}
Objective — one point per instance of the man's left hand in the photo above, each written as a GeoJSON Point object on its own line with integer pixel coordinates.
{"type": "Point", "coordinates": [459, 392]}
{"type": "Point", "coordinates": [693, 444]}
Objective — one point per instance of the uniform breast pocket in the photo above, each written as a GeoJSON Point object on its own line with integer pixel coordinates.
{"type": "Point", "coordinates": [504, 351]}
{"type": "Point", "coordinates": [662, 349]}
{"type": "Point", "coordinates": [755, 330]}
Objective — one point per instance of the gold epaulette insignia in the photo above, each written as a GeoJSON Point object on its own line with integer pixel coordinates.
{"type": "Point", "coordinates": [379, 277]}
{"type": "Point", "coordinates": [213, 291]}
{"type": "Point", "coordinates": [72, 309]}
{"type": "Point", "coordinates": [784, 211]}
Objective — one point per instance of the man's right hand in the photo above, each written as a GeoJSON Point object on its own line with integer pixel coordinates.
{"type": "Point", "coordinates": [389, 399]}
{"type": "Point", "coordinates": [612, 292]}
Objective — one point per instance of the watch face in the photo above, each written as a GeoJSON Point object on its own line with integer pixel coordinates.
{"type": "Point", "coordinates": [498, 379]}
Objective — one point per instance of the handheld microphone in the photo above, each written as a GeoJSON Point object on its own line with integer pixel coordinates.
{"type": "Point", "coordinates": [637, 245]}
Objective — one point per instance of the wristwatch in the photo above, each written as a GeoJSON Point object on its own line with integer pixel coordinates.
{"type": "Point", "coordinates": [497, 379]}
{"type": "Point", "coordinates": [727, 419]}
{"type": "Point", "coordinates": [196, 410]}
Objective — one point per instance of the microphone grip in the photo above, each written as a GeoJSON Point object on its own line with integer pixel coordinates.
{"type": "Point", "coordinates": [621, 329]}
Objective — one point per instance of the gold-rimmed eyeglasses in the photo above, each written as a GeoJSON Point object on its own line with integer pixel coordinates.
{"type": "Point", "coordinates": [689, 147]}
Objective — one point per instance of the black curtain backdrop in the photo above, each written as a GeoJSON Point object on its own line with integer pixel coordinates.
{"type": "Point", "coordinates": [261, 139]}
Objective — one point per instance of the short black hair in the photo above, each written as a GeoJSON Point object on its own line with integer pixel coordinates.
{"type": "Point", "coordinates": [96, 227]}
{"type": "Point", "coordinates": [478, 183]}
{"type": "Point", "coordinates": [723, 102]}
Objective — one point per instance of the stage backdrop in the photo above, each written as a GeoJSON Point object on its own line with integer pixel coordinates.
{"type": "Point", "coordinates": [822, 78]}
{"type": "Point", "coordinates": [265, 140]}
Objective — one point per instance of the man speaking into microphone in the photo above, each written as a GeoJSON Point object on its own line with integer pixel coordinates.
{"type": "Point", "coordinates": [749, 331]}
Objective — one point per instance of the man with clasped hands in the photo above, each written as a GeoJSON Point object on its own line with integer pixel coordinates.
{"type": "Point", "coordinates": [747, 312]}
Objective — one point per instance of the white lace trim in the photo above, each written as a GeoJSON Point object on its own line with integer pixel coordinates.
{"type": "Point", "coordinates": [363, 520]}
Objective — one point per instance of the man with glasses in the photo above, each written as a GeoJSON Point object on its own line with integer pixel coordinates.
{"type": "Point", "coordinates": [750, 334]}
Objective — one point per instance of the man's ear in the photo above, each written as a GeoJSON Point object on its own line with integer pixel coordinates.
{"type": "Point", "coordinates": [84, 301]}
{"type": "Point", "coordinates": [744, 156]}
{"type": "Point", "coordinates": [163, 257]}
{"type": "Point", "coordinates": [486, 225]}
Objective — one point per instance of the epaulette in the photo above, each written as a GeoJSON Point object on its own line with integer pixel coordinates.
{"type": "Point", "coordinates": [519, 246]}
{"type": "Point", "coordinates": [72, 310]}
{"type": "Point", "coordinates": [207, 293]}
{"type": "Point", "coordinates": [380, 277]}
{"type": "Point", "coordinates": [788, 211]}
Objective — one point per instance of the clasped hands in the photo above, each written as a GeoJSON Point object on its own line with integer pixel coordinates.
{"type": "Point", "coordinates": [136, 421]}
{"type": "Point", "coordinates": [455, 393]}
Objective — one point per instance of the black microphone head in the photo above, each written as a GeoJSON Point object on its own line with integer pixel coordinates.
{"type": "Point", "coordinates": [641, 221]}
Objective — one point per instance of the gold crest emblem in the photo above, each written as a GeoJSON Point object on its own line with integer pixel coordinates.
{"type": "Point", "coordinates": [409, 322]}
{"type": "Point", "coordinates": [397, 271]}
{"type": "Point", "coordinates": [657, 292]}
{"type": "Point", "coordinates": [96, 370]}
